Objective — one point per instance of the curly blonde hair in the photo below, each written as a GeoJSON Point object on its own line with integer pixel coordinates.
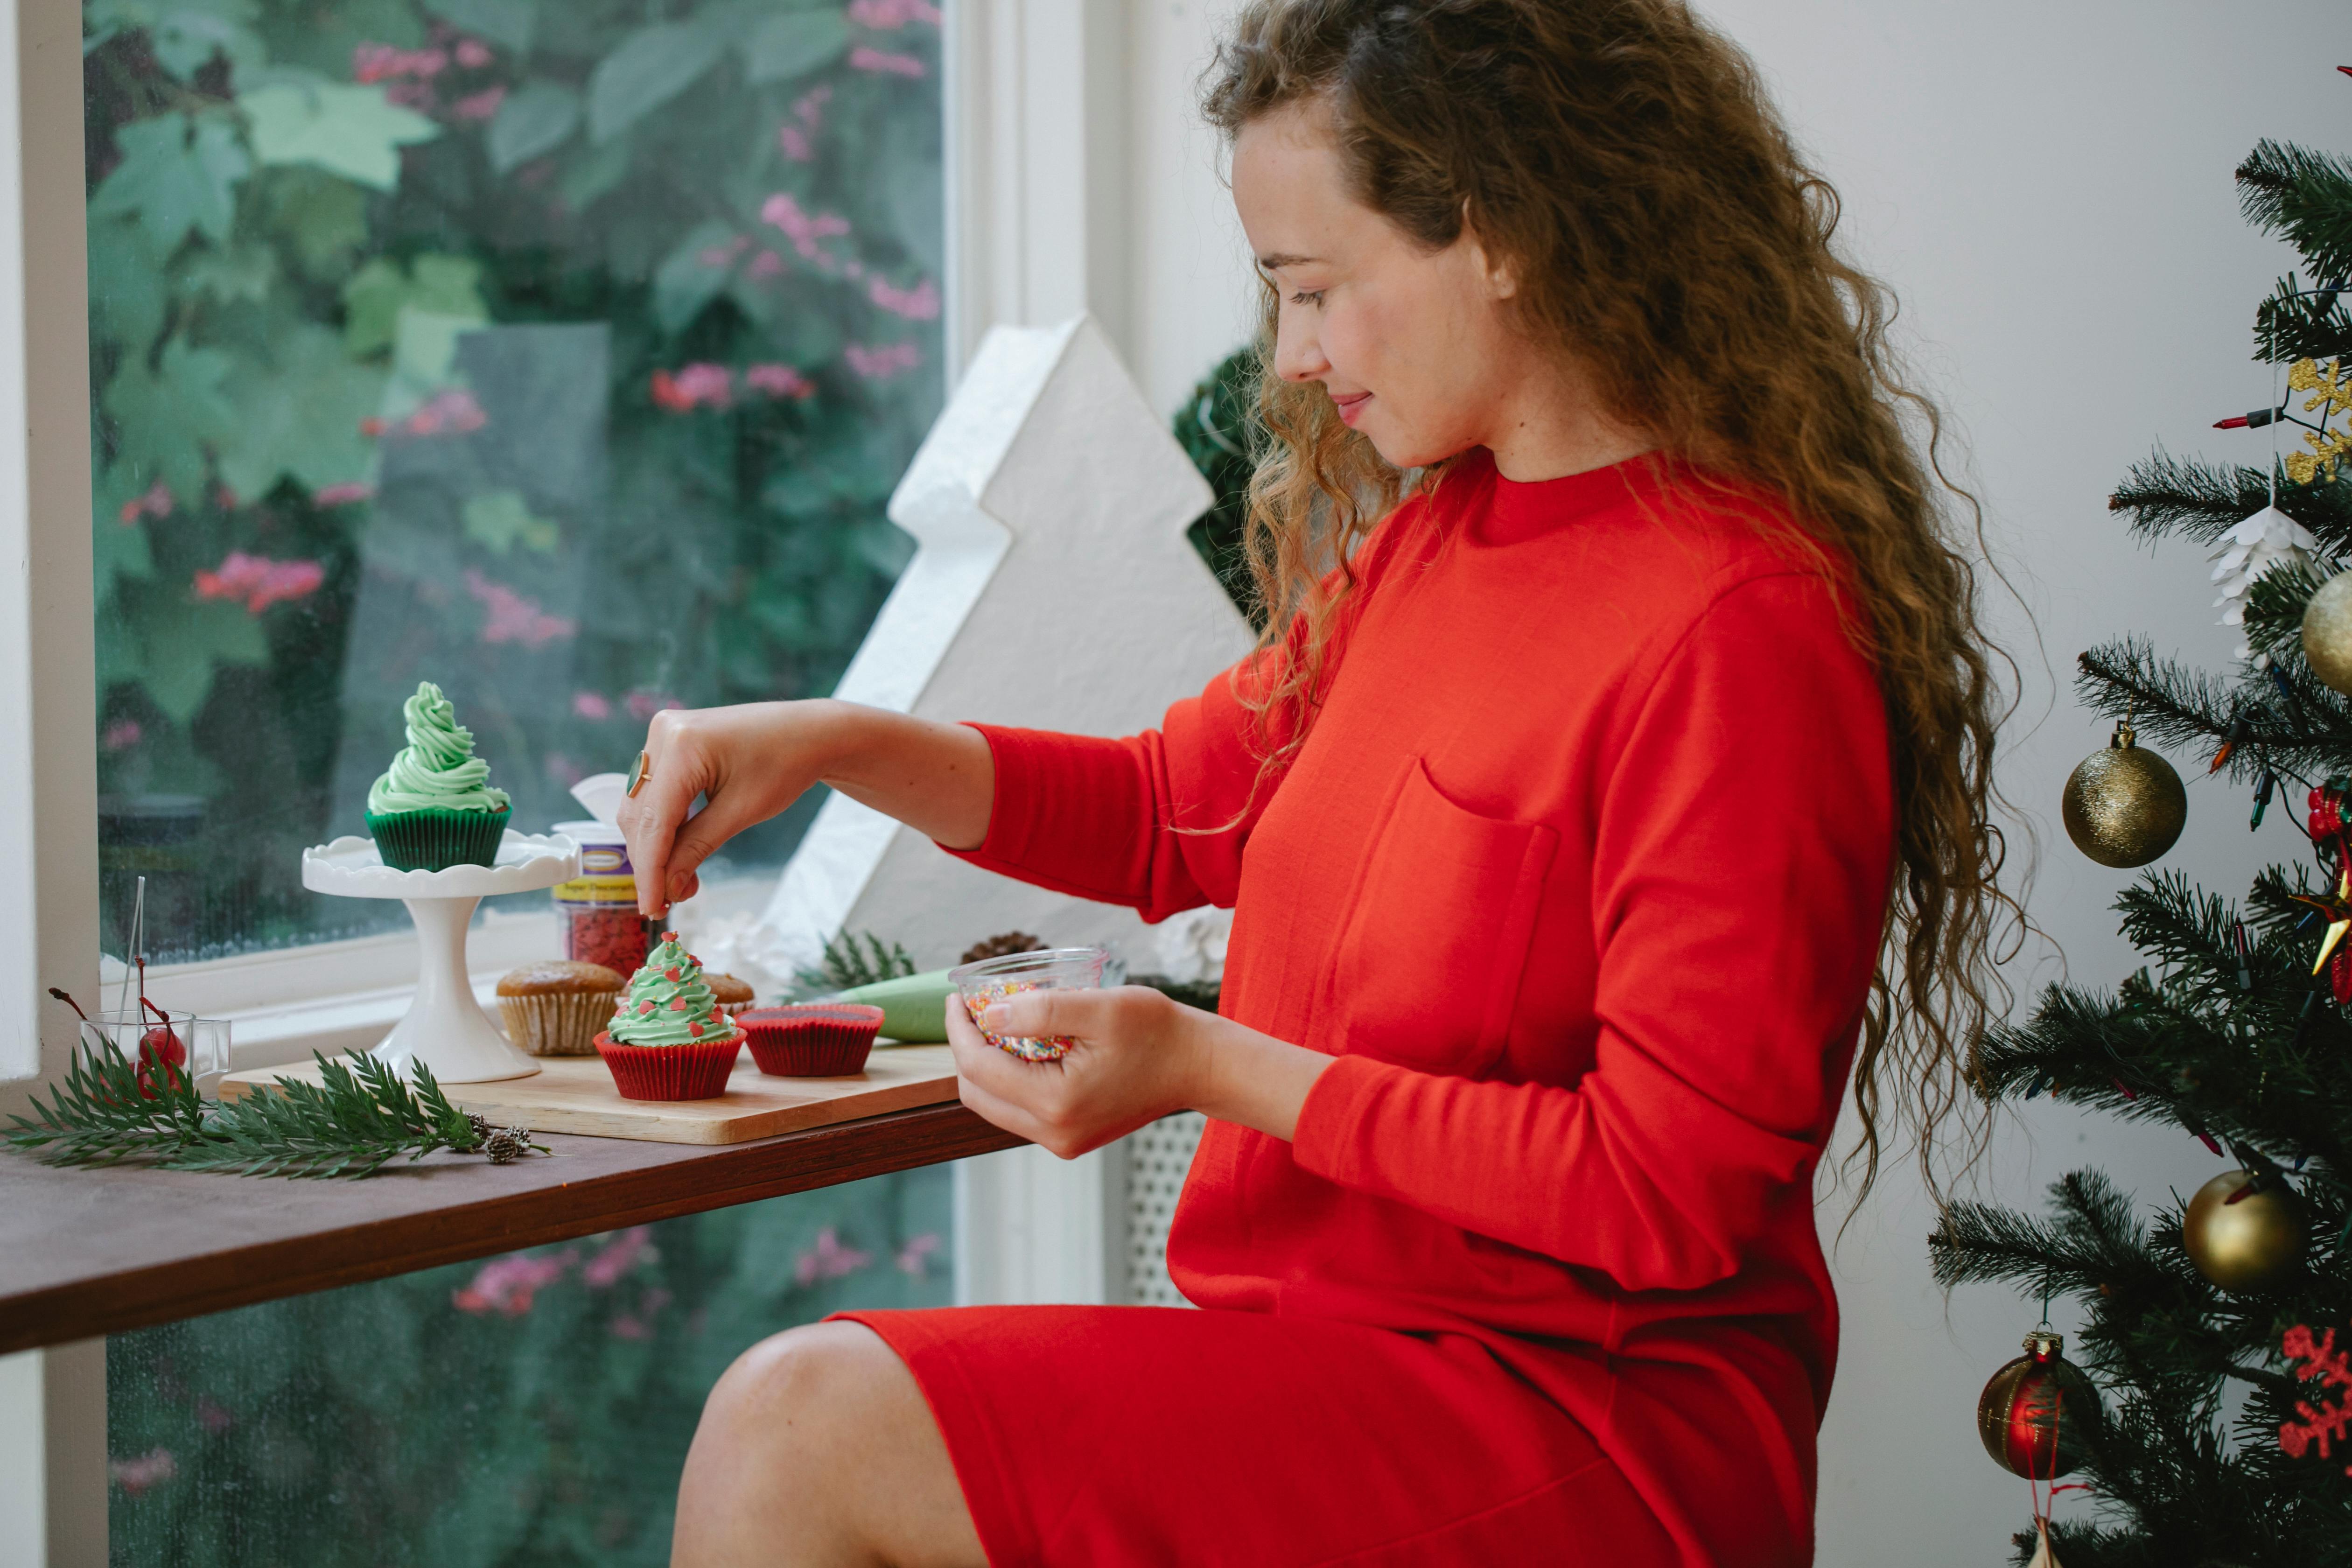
{"type": "Point", "coordinates": [1667, 239]}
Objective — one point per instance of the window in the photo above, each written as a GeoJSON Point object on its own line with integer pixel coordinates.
{"type": "Point", "coordinates": [530, 1409]}
{"type": "Point", "coordinates": [560, 351]}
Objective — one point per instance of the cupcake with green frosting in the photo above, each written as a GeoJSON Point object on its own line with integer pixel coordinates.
{"type": "Point", "coordinates": [434, 806]}
{"type": "Point", "coordinates": [667, 1039]}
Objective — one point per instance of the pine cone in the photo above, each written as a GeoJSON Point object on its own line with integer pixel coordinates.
{"type": "Point", "coordinates": [1004, 946]}
{"type": "Point", "coordinates": [478, 1125]}
{"type": "Point", "coordinates": [507, 1144]}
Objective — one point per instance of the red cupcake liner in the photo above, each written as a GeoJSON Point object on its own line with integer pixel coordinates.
{"type": "Point", "coordinates": [696, 1072]}
{"type": "Point", "coordinates": [825, 1041]}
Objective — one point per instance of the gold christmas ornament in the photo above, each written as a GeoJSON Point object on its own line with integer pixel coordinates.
{"type": "Point", "coordinates": [2250, 1245]}
{"type": "Point", "coordinates": [2036, 1414]}
{"type": "Point", "coordinates": [2328, 632]}
{"type": "Point", "coordinates": [2124, 807]}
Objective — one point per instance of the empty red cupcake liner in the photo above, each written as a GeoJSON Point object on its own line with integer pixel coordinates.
{"type": "Point", "coordinates": [823, 1040]}
{"type": "Point", "coordinates": [696, 1072]}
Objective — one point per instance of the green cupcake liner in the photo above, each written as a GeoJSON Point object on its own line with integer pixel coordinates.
{"type": "Point", "coordinates": [437, 837]}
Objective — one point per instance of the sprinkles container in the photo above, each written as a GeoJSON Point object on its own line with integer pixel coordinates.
{"type": "Point", "coordinates": [597, 911]}
{"type": "Point", "coordinates": [696, 1072]}
{"type": "Point", "coordinates": [1056, 969]}
{"type": "Point", "coordinates": [822, 1040]}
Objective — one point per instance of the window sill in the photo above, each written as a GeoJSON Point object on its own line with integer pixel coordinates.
{"type": "Point", "coordinates": [338, 996]}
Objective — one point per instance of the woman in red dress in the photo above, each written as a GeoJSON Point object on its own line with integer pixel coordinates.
{"type": "Point", "coordinates": [1617, 765]}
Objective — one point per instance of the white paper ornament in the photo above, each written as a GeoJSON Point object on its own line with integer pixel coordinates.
{"type": "Point", "coordinates": [2270, 538]}
{"type": "Point", "coordinates": [1054, 589]}
{"type": "Point", "coordinates": [2042, 1556]}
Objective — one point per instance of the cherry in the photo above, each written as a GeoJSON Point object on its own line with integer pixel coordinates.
{"type": "Point", "coordinates": [162, 1056]}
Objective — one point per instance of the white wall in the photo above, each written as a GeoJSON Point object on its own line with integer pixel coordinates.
{"type": "Point", "coordinates": [2047, 189]}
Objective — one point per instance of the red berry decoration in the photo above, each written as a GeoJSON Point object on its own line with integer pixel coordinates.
{"type": "Point", "coordinates": [2324, 1423]}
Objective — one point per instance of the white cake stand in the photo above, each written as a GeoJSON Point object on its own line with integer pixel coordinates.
{"type": "Point", "coordinates": [445, 1029]}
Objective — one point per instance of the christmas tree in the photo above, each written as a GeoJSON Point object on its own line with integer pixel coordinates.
{"type": "Point", "coordinates": [2217, 1430]}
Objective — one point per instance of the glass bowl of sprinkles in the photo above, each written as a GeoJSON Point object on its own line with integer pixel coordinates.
{"type": "Point", "coordinates": [1054, 969]}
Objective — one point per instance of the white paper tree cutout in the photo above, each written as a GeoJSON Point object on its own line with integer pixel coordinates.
{"type": "Point", "coordinates": [1053, 587]}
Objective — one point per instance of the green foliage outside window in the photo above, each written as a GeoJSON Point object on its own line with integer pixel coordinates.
{"type": "Point", "coordinates": [532, 1411]}
{"type": "Point", "coordinates": [561, 351]}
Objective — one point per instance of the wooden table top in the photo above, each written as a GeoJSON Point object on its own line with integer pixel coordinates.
{"type": "Point", "coordinates": [90, 1252]}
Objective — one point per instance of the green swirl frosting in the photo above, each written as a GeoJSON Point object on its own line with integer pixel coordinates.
{"type": "Point", "coordinates": [437, 768]}
{"type": "Point", "coordinates": [668, 1003]}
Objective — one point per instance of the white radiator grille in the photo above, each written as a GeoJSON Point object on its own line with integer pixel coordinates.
{"type": "Point", "coordinates": [1157, 1159]}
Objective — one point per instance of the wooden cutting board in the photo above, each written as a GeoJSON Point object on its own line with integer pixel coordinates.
{"type": "Point", "coordinates": [575, 1094]}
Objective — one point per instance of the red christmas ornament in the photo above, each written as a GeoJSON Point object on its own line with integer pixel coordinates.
{"type": "Point", "coordinates": [2034, 1413]}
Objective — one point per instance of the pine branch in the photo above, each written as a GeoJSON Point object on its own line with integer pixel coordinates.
{"type": "Point", "coordinates": [2202, 501]}
{"type": "Point", "coordinates": [103, 1115]}
{"type": "Point", "coordinates": [358, 1117]}
{"type": "Point", "coordinates": [2094, 1241]}
{"type": "Point", "coordinates": [353, 1122]}
{"type": "Point", "coordinates": [2169, 703]}
{"type": "Point", "coordinates": [2180, 709]}
{"type": "Point", "coordinates": [2274, 606]}
{"type": "Point", "coordinates": [2304, 197]}
{"type": "Point", "coordinates": [2189, 1049]}
{"type": "Point", "coordinates": [2292, 325]}
{"type": "Point", "coordinates": [846, 966]}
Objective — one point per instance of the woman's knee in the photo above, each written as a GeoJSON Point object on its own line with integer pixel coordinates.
{"type": "Point", "coordinates": [809, 1382]}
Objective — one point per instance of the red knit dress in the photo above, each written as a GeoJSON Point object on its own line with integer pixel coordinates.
{"type": "Point", "coordinates": [1580, 875]}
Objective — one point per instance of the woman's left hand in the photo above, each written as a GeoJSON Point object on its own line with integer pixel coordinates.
{"type": "Point", "coordinates": [1135, 1056]}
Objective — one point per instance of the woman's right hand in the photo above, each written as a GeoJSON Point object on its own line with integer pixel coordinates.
{"type": "Point", "coordinates": [750, 762]}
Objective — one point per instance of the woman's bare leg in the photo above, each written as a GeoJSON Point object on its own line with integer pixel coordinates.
{"type": "Point", "coordinates": [817, 1451]}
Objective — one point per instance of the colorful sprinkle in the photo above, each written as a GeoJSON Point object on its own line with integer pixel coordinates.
{"type": "Point", "coordinates": [1051, 1047]}
{"type": "Point", "coordinates": [695, 1029]}
{"type": "Point", "coordinates": [677, 1003]}
{"type": "Point", "coordinates": [672, 975]}
{"type": "Point", "coordinates": [643, 1007]}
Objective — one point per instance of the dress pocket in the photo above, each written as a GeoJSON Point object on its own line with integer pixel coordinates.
{"type": "Point", "coordinates": [1428, 963]}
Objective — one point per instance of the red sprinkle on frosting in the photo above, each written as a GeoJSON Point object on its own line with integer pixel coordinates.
{"type": "Point", "coordinates": [677, 1003]}
{"type": "Point", "coordinates": [671, 974]}
{"type": "Point", "coordinates": [695, 1029]}
{"type": "Point", "coordinates": [644, 1007]}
